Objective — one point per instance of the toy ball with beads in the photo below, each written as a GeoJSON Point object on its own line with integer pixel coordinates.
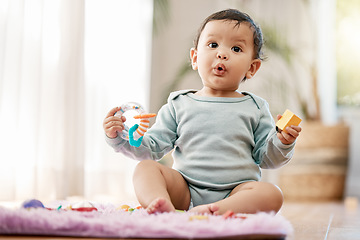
{"type": "Point", "coordinates": [135, 133]}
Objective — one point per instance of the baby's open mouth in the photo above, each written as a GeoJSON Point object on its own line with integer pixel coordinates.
{"type": "Point", "coordinates": [219, 69]}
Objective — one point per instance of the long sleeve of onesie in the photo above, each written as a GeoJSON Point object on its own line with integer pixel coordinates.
{"type": "Point", "coordinates": [269, 151]}
{"type": "Point", "coordinates": [158, 141]}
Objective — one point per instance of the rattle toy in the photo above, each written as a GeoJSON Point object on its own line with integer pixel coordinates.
{"type": "Point", "coordinates": [135, 134]}
{"type": "Point", "coordinates": [287, 119]}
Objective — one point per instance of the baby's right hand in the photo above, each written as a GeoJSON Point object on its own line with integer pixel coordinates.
{"type": "Point", "coordinates": [113, 124]}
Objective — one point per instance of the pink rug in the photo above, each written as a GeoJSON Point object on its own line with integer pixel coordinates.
{"type": "Point", "coordinates": [110, 222]}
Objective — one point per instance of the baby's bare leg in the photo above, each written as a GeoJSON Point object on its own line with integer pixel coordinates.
{"type": "Point", "coordinates": [252, 197]}
{"type": "Point", "coordinates": [249, 197]}
{"type": "Point", "coordinates": [160, 188]}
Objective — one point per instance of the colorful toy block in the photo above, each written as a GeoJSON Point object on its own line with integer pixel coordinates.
{"type": "Point", "coordinates": [287, 119]}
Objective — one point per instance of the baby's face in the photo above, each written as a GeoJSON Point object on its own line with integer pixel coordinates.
{"type": "Point", "coordinates": [225, 55]}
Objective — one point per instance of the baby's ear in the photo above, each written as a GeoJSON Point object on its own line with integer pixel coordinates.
{"type": "Point", "coordinates": [193, 56]}
{"type": "Point", "coordinates": [254, 67]}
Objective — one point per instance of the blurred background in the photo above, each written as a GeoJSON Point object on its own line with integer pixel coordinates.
{"type": "Point", "coordinates": [65, 63]}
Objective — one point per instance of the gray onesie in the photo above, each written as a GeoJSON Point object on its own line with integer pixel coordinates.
{"type": "Point", "coordinates": [218, 142]}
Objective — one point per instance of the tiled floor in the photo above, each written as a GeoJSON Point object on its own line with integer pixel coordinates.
{"type": "Point", "coordinates": [311, 221]}
{"type": "Point", "coordinates": [328, 221]}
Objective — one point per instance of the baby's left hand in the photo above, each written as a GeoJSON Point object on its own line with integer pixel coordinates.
{"type": "Point", "coordinates": [291, 135]}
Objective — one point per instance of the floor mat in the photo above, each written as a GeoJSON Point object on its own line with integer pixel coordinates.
{"type": "Point", "coordinates": [109, 221]}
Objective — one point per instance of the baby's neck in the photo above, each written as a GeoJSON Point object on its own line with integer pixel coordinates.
{"type": "Point", "coordinates": [206, 92]}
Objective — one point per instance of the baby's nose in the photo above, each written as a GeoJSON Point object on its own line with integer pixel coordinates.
{"type": "Point", "coordinates": [222, 56]}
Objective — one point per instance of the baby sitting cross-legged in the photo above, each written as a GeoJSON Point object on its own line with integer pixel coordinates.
{"type": "Point", "coordinates": [221, 137]}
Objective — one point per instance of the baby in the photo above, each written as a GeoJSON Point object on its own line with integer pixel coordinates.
{"type": "Point", "coordinates": [221, 137]}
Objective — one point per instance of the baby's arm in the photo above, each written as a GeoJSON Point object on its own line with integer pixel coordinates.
{"type": "Point", "coordinates": [291, 135]}
{"type": "Point", "coordinates": [112, 124]}
{"type": "Point", "coordinates": [270, 151]}
{"type": "Point", "coordinates": [157, 141]}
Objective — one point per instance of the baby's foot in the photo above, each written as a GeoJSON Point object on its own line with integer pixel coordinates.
{"type": "Point", "coordinates": [206, 209]}
{"type": "Point", "coordinates": [160, 205]}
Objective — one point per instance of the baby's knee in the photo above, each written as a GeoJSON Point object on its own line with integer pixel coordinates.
{"type": "Point", "coordinates": [269, 196]}
{"type": "Point", "coordinates": [275, 197]}
{"type": "Point", "coordinates": [145, 165]}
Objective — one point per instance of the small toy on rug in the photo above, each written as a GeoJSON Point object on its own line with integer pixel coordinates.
{"type": "Point", "coordinates": [33, 203]}
{"type": "Point", "coordinates": [127, 208]}
{"type": "Point", "coordinates": [84, 206]}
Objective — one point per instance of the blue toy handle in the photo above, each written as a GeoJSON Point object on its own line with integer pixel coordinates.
{"type": "Point", "coordinates": [132, 141]}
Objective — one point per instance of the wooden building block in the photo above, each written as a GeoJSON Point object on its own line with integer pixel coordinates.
{"type": "Point", "coordinates": [287, 119]}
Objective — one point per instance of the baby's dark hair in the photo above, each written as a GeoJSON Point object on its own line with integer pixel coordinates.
{"type": "Point", "coordinates": [235, 15]}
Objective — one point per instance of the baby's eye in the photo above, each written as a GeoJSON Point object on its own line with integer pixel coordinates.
{"type": "Point", "coordinates": [213, 45]}
{"type": "Point", "coordinates": [236, 49]}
